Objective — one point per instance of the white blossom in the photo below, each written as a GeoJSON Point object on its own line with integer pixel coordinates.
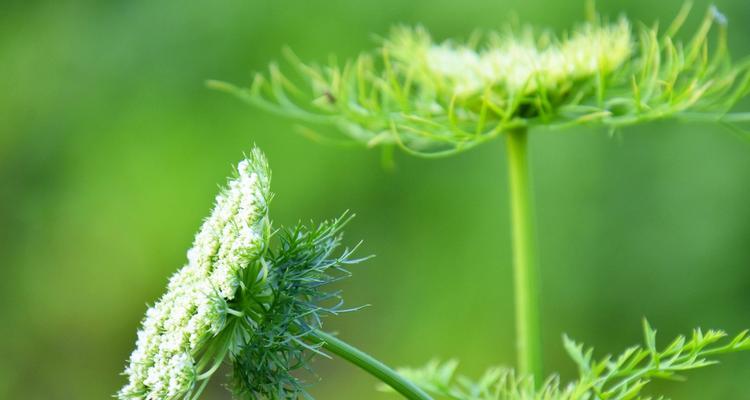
{"type": "Point", "coordinates": [193, 310]}
{"type": "Point", "coordinates": [521, 65]}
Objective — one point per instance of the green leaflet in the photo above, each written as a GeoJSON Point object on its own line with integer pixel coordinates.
{"type": "Point", "coordinates": [620, 377]}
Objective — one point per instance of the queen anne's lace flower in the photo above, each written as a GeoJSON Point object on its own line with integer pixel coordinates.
{"type": "Point", "coordinates": [194, 308]}
{"type": "Point", "coordinates": [434, 99]}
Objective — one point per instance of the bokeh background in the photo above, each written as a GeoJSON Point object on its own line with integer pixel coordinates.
{"type": "Point", "coordinates": [111, 150]}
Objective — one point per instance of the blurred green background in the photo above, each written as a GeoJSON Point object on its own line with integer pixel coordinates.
{"type": "Point", "coordinates": [111, 150]}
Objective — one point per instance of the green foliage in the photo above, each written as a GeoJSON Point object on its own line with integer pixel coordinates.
{"type": "Point", "coordinates": [420, 95]}
{"type": "Point", "coordinates": [610, 378]}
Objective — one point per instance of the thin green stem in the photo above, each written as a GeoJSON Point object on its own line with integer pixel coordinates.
{"type": "Point", "coordinates": [367, 363]}
{"type": "Point", "coordinates": [524, 266]}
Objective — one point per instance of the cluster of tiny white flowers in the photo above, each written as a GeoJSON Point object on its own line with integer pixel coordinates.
{"type": "Point", "coordinates": [193, 309]}
{"type": "Point", "coordinates": [458, 65]}
{"type": "Point", "coordinates": [522, 66]}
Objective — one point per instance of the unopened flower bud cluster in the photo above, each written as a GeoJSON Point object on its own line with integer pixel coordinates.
{"type": "Point", "coordinates": [193, 310]}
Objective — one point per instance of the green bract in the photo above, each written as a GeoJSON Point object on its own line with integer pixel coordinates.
{"type": "Point", "coordinates": [437, 98]}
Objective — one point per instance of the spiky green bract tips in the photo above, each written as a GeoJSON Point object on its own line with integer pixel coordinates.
{"type": "Point", "coordinates": [274, 343]}
{"type": "Point", "coordinates": [440, 97]}
{"type": "Point", "coordinates": [247, 294]}
{"type": "Point", "coordinates": [619, 377]}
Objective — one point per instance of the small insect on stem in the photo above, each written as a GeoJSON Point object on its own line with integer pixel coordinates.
{"type": "Point", "coordinates": [330, 97]}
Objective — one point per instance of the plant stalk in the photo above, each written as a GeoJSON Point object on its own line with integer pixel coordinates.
{"type": "Point", "coordinates": [526, 276]}
{"type": "Point", "coordinates": [367, 363]}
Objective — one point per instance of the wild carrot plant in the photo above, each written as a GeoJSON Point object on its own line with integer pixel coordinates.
{"type": "Point", "coordinates": [251, 295]}
{"type": "Point", "coordinates": [255, 296]}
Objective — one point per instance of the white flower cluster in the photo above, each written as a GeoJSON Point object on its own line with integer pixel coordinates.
{"type": "Point", "coordinates": [522, 66]}
{"type": "Point", "coordinates": [193, 309]}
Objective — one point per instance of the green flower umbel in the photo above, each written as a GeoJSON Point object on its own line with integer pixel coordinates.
{"type": "Point", "coordinates": [193, 311]}
{"type": "Point", "coordinates": [437, 98]}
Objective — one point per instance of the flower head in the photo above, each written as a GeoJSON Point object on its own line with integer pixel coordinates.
{"type": "Point", "coordinates": [512, 64]}
{"type": "Point", "coordinates": [440, 97]}
{"type": "Point", "coordinates": [193, 311]}
{"type": "Point", "coordinates": [242, 298]}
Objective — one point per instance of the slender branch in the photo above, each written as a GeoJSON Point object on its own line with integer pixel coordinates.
{"type": "Point", "coordinates": [524, 266]}
{"type": "Point", "coordinates": [367, 363]}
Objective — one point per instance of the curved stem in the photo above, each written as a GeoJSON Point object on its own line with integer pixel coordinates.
{"type": "Point", "coordinates": [524, 266]}
{"type": "Point", "coordinates": [367, 363]}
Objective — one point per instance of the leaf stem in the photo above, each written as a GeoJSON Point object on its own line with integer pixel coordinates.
{"type": "Point", "coordinates": [367, 363]}
{"type": "Point", "coordinates": [524, 266]}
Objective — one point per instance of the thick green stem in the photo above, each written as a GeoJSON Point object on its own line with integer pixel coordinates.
{"type": "Point", "coordinates": [367, 363]}
{"type": "Point", "coordinates": [524, 266]}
